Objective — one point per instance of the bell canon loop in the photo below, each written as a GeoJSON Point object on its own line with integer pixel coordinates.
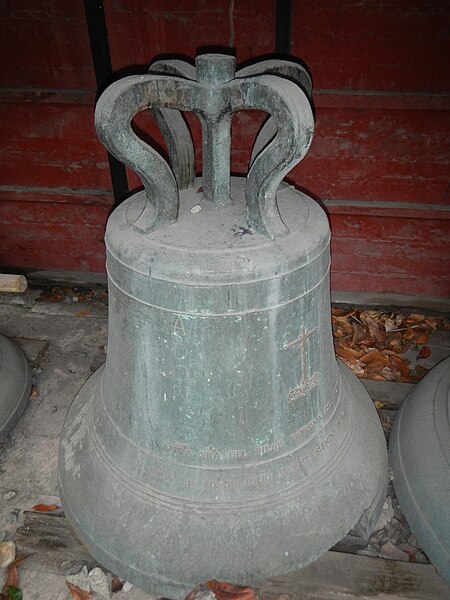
{"type": "Point", "coordinates": [222, 439]}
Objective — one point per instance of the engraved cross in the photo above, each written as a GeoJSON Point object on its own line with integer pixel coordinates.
{"type": "Point", "coordinates": [300, 342]}
{"type": "Point", "coordinates": [307, 383]}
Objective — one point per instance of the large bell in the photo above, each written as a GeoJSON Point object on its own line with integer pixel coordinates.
{"type": "Point", "coordinates": [420, 450]}
{"type": "Point", "coordinates": [222, 439]}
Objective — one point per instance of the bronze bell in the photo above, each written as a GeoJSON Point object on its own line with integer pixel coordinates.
{"type": "Point", "coordinates": [222, 439]}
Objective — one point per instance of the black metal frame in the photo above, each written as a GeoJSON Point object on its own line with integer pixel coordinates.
{"type": "Point", "coordinates": [98, 37]}
{"type": "Point", "coordinates": [283, 20]}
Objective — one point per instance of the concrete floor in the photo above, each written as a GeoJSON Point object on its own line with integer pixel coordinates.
{"type": "Point", "coordinates": [65, 342]}
{"type": "Point", "coordinates": [70, 347]}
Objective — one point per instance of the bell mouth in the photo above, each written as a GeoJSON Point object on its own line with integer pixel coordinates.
{"type": "Point", "coordinates": [283, 532]}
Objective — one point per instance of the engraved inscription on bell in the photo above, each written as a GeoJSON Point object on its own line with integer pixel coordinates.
{"type": "Point", "coordinates": [308, 382]}
{"type": "Point", "coordinates": [221, 439]}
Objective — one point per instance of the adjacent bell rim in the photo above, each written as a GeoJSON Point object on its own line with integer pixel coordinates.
{"type": "Point", "coordinates": [15, 384]}
{"type": "Point", "coordinates": [420, 452]}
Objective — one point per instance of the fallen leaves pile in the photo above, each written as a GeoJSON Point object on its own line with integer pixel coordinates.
{"type": "Point", "coordinates": [373, 343]}
{"type": "Point", "coordinates": [94, 584]}
{"type": "Point", "coordinates": [58, 294]}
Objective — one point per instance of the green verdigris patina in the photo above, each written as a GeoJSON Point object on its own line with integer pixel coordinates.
{"type": "Point", "coordinates": [222, 439]}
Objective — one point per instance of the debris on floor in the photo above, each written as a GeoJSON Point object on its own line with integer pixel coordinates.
{"type": "Point", "coordinates": [96, 584]}
{"type": "Point", "coordinates": [392, 537]}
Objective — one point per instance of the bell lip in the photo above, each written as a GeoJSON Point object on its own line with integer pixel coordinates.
{"type": "Point", "coordinates": [372, 502]}
{"type": "Point", "coordinates": [15, 384]}
{"type": "Point", "coordinates": [425, 413]}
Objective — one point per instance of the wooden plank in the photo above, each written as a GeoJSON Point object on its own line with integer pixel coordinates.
{"type": "Point", "coordinates": [52, 544]}
{"type": "Point", "coordinates": [349, 576]}
{"type": "Point", "coordinates": [55, 549]}
{"type": "Point", "coordinates": [370, 154]}
{"type": "Point", "coordinates": [52, 195]}
{"type": "Point", "coordinates": [46, 44]}
{"type": "Point", "coordinates": [352, 279]}
{"type": "Point", "coordinates": [380, 100]}
{"type": "Point", "coordinates": [328, 98]}
{"type": "Point", "coordinates": [373, 44]}
{"type": "Point", "coordinates": [47, 96]}
{"type": "Point", "coordinates": [33, 349]}
{"type": "Point", "coordinates": [390, 209]}
{"type": "Point", "coordinates": [51, 145]}
{"type": "Point", "coordinates": [53, 236]}
{"type": "Point", "coordinates": [391, 394]}
{"type": "Point", "coordinates": [381, 254]}
{"type": "Point", "coordinates": [139, 30]}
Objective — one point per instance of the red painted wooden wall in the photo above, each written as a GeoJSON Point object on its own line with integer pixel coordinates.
{"type": "Point", "coordinates": [379, 160]}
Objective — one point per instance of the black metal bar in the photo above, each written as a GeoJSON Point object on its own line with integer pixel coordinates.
{"type": "Point", "coordinates": [283, 19]}
{"type": "Point", "coordinates": [98, 37]}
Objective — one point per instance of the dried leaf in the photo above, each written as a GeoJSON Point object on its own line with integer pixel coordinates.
{"type": "Point", "coordinates": [12, 579]}
{"type": "Point", "coordinates": [390, 325]}
{"type": "Point", "coordinates": [358, 332]}
{"type": "Point", "coordinates": [399, 319]}
{"type": "Point", "coordinates": [53, 296]}
{"type": "Point", "coordinates": [344, 351]}
{"type": "Point", "coordinates": [415, 318]}
{"type": "Point", "coordinates": [375, 356]}
{"type": "Point", "coordinates": [369, 314]}
{"type": "Point", "coordinates": [34, 393]}
{"type": "Point", "coordinates": [377, 333]}
{"type": "Point", "coordinates": [409, 333]}
{"type": "Point", "coordinates": [375, 376]}
{"type": "Point", "coordinates": [228, 591]}
{"type": "Point", "coordinates": [390, 374]}
{"type": "Point", "coordinates": [342, 312]}
{"type": "Point", "coordinates": [432, 322]}
{"type": "Point", "coordinates": [402, 364]}
{"type": "Point", "coordinates": [77, 593]}
{"type": "Point", "coordinates": [192, 595]}
{"type": "Point", "coordinates": [422, 338]}
{"type": "Point", "coordinates": [116, 584]}
{"type": "Point", "coordinates": [16, 562]}
{"type": "Point", "coordinates": [45, 507]}
{"type": "Point", "coordinates": [424, 352]}
{"type": "Point", "coordinates": [421, 371]}
{"type": "Point", "coordinates": [396, 346]}
{"type": "Point", "coordinates": [84, 313]}
{"type": "Point", "coordinates": [375, 368]}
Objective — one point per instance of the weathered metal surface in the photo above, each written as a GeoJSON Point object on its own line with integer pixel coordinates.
{"type": "Point", "coordinates": [222, 437]}
{"type": "Point", "coordinates": [15, 384]}
{"type": "Point", "coordinates": [420, 450]}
